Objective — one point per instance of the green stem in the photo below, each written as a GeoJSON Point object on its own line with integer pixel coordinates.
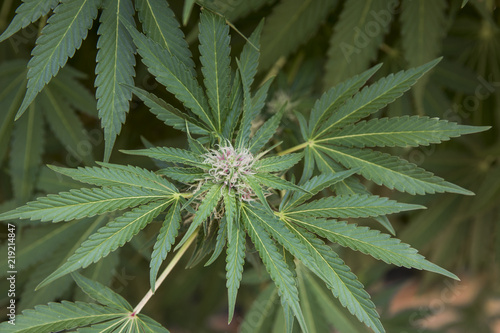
{"type": "Point", "coordinates": [165, 273]}
{"type": "Point", "coordinates": [295, 148]}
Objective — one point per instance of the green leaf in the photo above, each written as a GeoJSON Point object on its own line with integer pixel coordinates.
{"type": "Point", "coordinates": [220, 242]}
{"type": "Point", "coordinates": [149, 325]}
{"type": "Point", "coordinates": [265, 132]}
{"type": "Point", "coordinates": [232, 213]}
{"type": "Point", "coordinates": [315, 185]}
{"type": "Point", "coordinates": [167, 154]}
{"type": "Point", "coordinates": [28, 12]}
{"type": "Point", "coordinates": [355, 206]}
{"type": "Point", "coordinates": [183, 175]}
{"type": "Point", "coordinates": [77, 204]}
{"type": "Point", "coordinates": [26, 153]}
{"type": "Point", "coordinates": [332, 99]}
{"type": "Point", "coordinates": [164, 241]}
{"type": "Point", "coordinates": [372, 242]}
{"type": "Point", "coordinates": [356, 38]}
{"type": "Point", "coordinates": [278, 163]}
{"type": "Point", "coordinates": [174, 75]}
{"type": "Point", "coordinates": [108, 238]}
{"type": "Point", "coordinates": [339, 279]}
{"type": "Point", "coordinates": [118, 175]}
{"type": "Point", "coordinates": [291, 24]}
{"type": "Point", "coordinates": [400, 131]}
{"type": "Point", "coordinates": [231, 10]}
{"type": "Point", "coordinates": [60, 316]}
{"type": "Point", "coordinates": [375, 97]}
{"type": "Point", "coordinates": [251, 109]}
{"type": "Point", "coordinates": [249, 59]}
{"type": "Point", "coordinates": [205, 209]}
{"type": "Point", "coordinates": [214, 56]}
{"type": "Point", "coordinates": [168, 114]}
{"type": "Point", "coordinates": [65, 124]}
{"type": "Point", "coordinates": [276, 182]}
{"type": "Point", "coordinates": [275, 265]}
{"type": "Point", "coordinates": [159, 24]}
{"type": "Point", "coordinates": [186, 11]}
{"type": "Point", "coordinates": [59, 39]}
{"type": "Point", "coordinates": [234, 264]}
{"type": "Point", "coordinates": [235, 107]}
{"type": "Point", "coordinates": [262, 308]}
{"type": "Point", "coordinates": [101, 293]}
{"type": "Point", "coordinates": [391, 171]}
{"type": "Point", "coordinates": [115, 67]}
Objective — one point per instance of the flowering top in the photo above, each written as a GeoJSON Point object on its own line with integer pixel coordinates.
{"type": "Point", "coordinates": [230, 166]}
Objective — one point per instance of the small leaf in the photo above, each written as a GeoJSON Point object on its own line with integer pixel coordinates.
{"type": "Point", "coordinates": [278, 163]}
{"type": "Point", "coordinates": [101, 293]}
{"type": "Point", "coordinates": [234, 264]}
{"type": "Point", "coordinates": [276, 182]}
{"type": "Point", "coordinates": [183, 175]}
{"type": "Point", "coordinates": [220, 242]}
{"type": "Point", "coordinates": [164, 241]}
{"type": "Point", "coordinates": [265, 132]}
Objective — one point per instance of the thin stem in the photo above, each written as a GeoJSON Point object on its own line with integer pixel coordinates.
{"type": "Point", "coordinates": [295, 148]}
{"type": "Point", "coordinates": [165, 273]}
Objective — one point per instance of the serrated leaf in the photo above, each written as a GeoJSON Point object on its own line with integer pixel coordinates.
{"type": "Point", "coordinates": [391, 171]}
{"type": "Point", "coordinates": [399, 131]}
{"type": "Point", "coordinates": [359, 31]}
{"type": "Point", "coordinates": [232, 215]}
{"type": "Point", "coordinates": [220, 242]}
{"type": "Point", "coordinates": [214, 57]}
{"type": "Point", "coordinates": [375, 97]}
{"type": "Point", "coordinates": [278, 163]}
{"type": "Point", "coordinates": [291, 24]}
{"type": "Point", "coordinates": [234, 264]}
{"type": "Point", "coordinates": [28, 12]}
{"type": "Point", "coordinates": [183, 175]}
{"type": "Point", "coordinates": [233, 11]}
{"type": "Point", "coordinates": [332, 99]}
{"type": "Point", "coordinates": [115, 67]}
{"type": "Point", "coordinates": [26, 153]}
{"type": "Point", "coordinates": [101, 293]}
{"type": "Point", "coordinates": [118, 175]}
{"type": "Point", "coordinates": [265, 132]}
{"type": "Point", "coordinates": [339, 279]}
{"type": "Point", "coordinates": [205, 209]}
{"type": "Point", "coordinates": [159, 24]}
{"type": "Point", "coordinates": [234, 108]}
{"type": "Point", "coordinates": [276, 267]}
{"type": "Point", "coordinates": [372, 242]}
{"type": "Point", "coordinates": [108, 238]}
{"type": "Point", "coordinates": [77, 204]}
{"type": "Point", "coordinates": [109, 326]}
{"type": "Point", "coordinates": [167, 154]}
{"type": "Point", "coordinates": [59, 39]}
{"type": "Point", "coordinates": [173, 74]}
{"type": "Point", "coordinates": [315, 185]}
{"type": "Point", "coordinates": [60, 316]}
{"type": "Point", "coordinates": [164, 241]}
{"type": "Point", "coordinates": [276, 182]}
{"type": "Point", "coordinates": [168, 114]}
{"type": "Point", "coordinates": [262, 308]}
{"type": "Point", "coordinates": [66, 125]}
{"type": "Point", "coordinates": [355, 206]}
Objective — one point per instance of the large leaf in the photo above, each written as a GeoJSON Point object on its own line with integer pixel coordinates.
{"type": "Point", "coordinates": [391, 171]}
{"type": "Point", "coordinates": [77, 204]}
{"type": "Point", "coordinates": [60, 38]}
{"type": "Point", "coordinates": [164, 241]}
{"type": "Point", "coordinates": [355, 206]}
{"type": "Point", "coordinates": [60, 316]}
{"type": "Point", "coordinates": [174, 75]}
{"type": "Point", "coordinates": [108, 238]}
{"type": "Point", "coordinates": [275, 265]}
{"type": "Point", "coordinates": [26, 153]}
{"type": "Point", "coordinates": [159, 24]}
{"type": "Point", "coordinates": [400, 131]}
{"type": "Point", "coordinates": [357, 35]}
{"type": "Point", "coordinates": [234, 264]}
{"type": "Point", "coordinates": [214, 56]}
{"type": "Point", "coordinates": [167, 154]}
{"type": "Point", "coordinates": [101, 293]}
{"type": "Point", "coordinates": [118, 175]}
{"type": "Point", "coordinates": [278, 163]}
{"type": "Point", "coordinates": [375, 97]}
{"type": "Point", "coordinates": [372, 242]}
{"type": "Point", "coordinates": [115, 67]}
{"type": "Point", "coordinates": [291, 24]}
{"type": "Point", "coordinates": [28, 12]}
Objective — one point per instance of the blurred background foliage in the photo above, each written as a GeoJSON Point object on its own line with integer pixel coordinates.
{"type": "Point", "coordinates": [309, 45]}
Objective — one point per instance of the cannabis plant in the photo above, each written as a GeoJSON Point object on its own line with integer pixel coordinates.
{"type": "Point", "coordinates": [239, 188]}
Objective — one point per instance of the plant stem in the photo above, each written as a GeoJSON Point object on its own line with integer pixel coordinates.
{"type": "Point", "coordinates": [165, 273]}
{"type": "Point", "coordinates": [291, 150]}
